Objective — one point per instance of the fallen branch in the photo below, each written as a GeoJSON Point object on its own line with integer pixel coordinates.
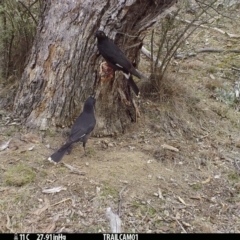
{"type": "Point", "coordinates": [73, 170]}
{"type": "Point", "coordinates": [120, 199]}
{"type": "Point", "coordinates": [212, 28]}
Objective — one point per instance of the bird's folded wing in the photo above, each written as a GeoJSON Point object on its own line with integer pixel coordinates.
{"type": "Point", "coordinates": [80, 131]}
{"type": "Point", "coordinates": [114, 55]}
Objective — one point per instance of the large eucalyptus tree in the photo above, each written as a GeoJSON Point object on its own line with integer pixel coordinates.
{"type": "Point", "coordinates": [64, 66]}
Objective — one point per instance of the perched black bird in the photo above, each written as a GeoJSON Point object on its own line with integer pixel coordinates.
{"type": "Point", "coordinates": [80, 131]}
{"type": "Point", "coordinates": [116, 59]}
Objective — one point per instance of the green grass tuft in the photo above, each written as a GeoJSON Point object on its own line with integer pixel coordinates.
{"type": "Point", "coordinates": [19, 175]}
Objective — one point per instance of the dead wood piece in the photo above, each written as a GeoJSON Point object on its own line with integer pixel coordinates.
{"type": "Point", "coordinates": [168, 147]}
{"type": "Point", "coordinates": [120, 199]}
{"type": "Point", "coordinates": [73, 169]}
{"type": "Point", "coordinates": [148, 54]}
{"type": "Point", "coordinates": [115, 221]}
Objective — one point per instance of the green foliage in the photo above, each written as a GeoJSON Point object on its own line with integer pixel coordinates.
{"type": "Point", "coordinates": [19, 175]}
{"type": "Point", "coordinates": [109, 191]}
{"type": "Point", "coordinates": [234, 177]}
{"type": "Point", "coordinates": [197, 186]}
{"type": "Point", "coordinates": [18, 20]}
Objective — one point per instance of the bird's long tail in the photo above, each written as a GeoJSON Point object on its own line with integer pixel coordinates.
{"type": "Point", "coordinates": [58, 155]}
{"type": "Point", "coordinates": [132, 84]}
{"type": "Point", "coordinates": [138, 74]}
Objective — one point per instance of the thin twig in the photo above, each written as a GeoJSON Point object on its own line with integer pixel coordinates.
{"type": "Point", "coordinates": [133, 46]}
{"type": "Point", "coordinates": [29, 11]}
{"type": "Point", "coordinates": [213, 8]}
{"type": "Point", "coordinates": [180, 225]}
{"type": "Point", "coordinates": [131, 36]}
{"type": "Point", "coordinates": [175, 46]}
{"type": "Point", "coordinates": [151, 53]}
{"type": "Point", "coordinates": [64, 200]}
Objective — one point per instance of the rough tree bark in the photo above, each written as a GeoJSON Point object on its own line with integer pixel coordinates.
{"type": "Point", "coordinates": [63, 66]}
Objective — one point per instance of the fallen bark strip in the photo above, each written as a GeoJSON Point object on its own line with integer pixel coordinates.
{"type": "Point", "coordinates": [191, 54]}
{"type": "Point", "coordinates": [205, 50]}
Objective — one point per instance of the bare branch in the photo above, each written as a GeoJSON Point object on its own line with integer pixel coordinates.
{"type": "Point", "coordinates": [29, 11]}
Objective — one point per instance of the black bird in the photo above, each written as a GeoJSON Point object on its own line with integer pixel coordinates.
{"type": "Point", "coordinates": [116, 59]}
{"type": "Point", "coordinates": [80, 131]}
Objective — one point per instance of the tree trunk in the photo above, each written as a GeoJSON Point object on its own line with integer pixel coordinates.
{"type": "Point", "coordinates": [63, 67]}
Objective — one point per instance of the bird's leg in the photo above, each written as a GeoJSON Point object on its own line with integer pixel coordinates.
{"type": "Point", "coordinates": [84, 147]}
